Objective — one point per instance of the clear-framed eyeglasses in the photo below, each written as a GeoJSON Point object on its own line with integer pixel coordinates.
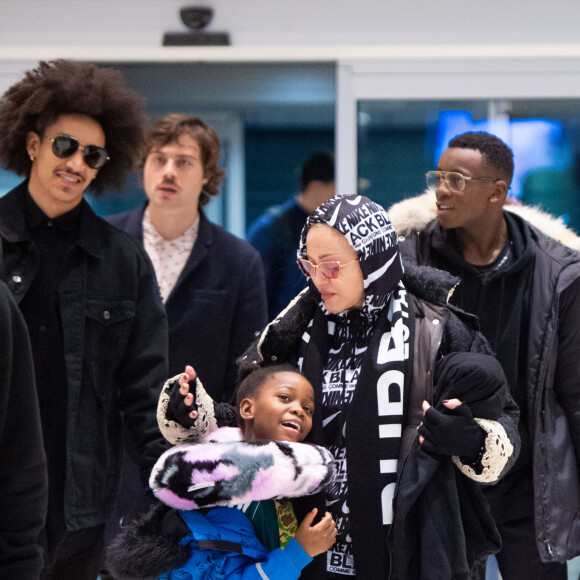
{"type": "Point", "coordinates": [454, 180]}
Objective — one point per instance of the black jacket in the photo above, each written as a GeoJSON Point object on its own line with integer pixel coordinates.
{"type": "Point", "coordinates": [553, 407]}
{"type": "Point", "coordinates": [115, 341]}
{"type": "Point", "coordinates": [216, 306]}
{"type": "Point", "coordinates": [23, 479]}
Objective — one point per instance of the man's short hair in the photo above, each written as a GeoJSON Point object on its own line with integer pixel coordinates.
{"type": "Point", "coordinates": [318, 167]}
{"type": "Point", "coordinates": [64, 87]}
{"type": "Point", "coordinates": [251, 385]}
{"type": "Point", "coordinates": [168, 129]}
{"type": "Point", "coordinates": [493, 150]}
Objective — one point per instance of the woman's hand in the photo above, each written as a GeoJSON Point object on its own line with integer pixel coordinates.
{"type": "Point", "coordinates": [452, 431]}
{"type": "Point", "coordinates": [450, 404]}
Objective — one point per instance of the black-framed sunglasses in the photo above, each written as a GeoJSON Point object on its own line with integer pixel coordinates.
{"type": "Point", "coordinates": [64, 146]}
{"type": "Point", "coordinates": [454, 180]}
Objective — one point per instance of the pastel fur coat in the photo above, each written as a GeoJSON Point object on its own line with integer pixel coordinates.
{"type": "Point", "coordinates": [177, 541]}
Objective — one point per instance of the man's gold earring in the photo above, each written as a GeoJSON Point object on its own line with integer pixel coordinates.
{"type": "Point", "coordinates": [32, 158]}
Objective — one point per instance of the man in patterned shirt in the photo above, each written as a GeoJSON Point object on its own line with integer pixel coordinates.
{"type": "Point", "coordinates": [212, 283]}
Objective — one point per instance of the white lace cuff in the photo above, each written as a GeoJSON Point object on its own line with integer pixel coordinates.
{"type": "Point", "coordinates": [176, 433]}
{"type": "Point", "coordinates": [498, 450]}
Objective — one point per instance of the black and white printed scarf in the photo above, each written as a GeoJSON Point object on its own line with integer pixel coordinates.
{"type": "Point", "coordinates": [362, 361]}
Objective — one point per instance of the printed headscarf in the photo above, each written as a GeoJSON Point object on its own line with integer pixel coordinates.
{"type": "Point", "coordinates": [368, 229]}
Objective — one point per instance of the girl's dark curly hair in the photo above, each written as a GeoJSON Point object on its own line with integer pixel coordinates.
{"type": "Point", "coordinates": [253, 383]}
{"type": "Point", "coordinates": [63, 87]}
{"type": "Point", "coordinates": [169, 128]}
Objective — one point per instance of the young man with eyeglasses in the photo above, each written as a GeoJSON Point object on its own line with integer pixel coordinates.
{"type": "Point", "coordinates": [525, 288]}
{"type": "Point", "coordinates": [87, 292]}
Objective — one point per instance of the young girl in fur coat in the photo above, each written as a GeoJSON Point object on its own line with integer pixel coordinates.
{"type": "Point", "coordinates": [245, 467]}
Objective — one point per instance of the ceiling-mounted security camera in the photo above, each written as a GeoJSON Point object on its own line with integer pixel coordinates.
{"type": "Point", "coordinates": [196, 18]}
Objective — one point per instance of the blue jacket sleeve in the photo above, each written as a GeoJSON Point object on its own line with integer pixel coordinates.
{"type": "Point", "coordinates": [281, 564]}
{"type": "Point", "coordinates": [249, 561]}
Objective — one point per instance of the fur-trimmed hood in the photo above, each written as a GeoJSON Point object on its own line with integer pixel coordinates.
{"type": "Point", "coordinates": [148, 546]}
{"type": "Point", "coordinates": [413, 214]}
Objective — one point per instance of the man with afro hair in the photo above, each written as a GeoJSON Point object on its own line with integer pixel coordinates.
{"type": "Point", "coordinates": [87, 292]}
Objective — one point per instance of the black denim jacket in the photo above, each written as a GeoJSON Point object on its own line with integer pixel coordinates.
{"type": "Point", "coordinates": [115, 343]}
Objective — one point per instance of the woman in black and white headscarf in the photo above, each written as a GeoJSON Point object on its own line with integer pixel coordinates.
{"type": "Point", "coordinates": [410, 455]}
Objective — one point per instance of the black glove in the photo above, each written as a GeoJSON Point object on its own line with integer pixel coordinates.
{"type": "Point", "coordinates": [177, 410]}
{"type": "Point", "coordinates": [452, 432]}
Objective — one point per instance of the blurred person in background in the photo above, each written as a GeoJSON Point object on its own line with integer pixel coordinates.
{"type": "Point", "coordinates": [212, 283]}
{"type": "Point", "coordinates": [23, 479]}
{"type": "Point", "coordinates": [276, 233]}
